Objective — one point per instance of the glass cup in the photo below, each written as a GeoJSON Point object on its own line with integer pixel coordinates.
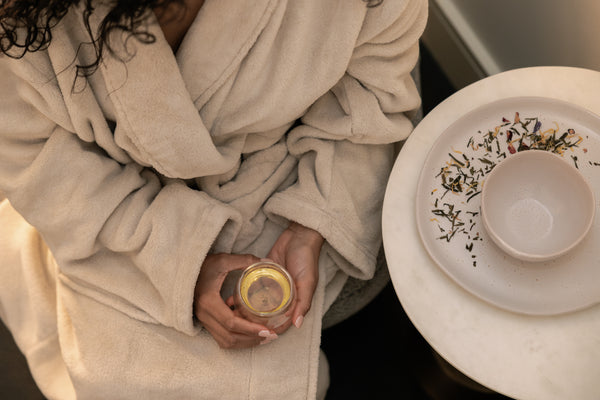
{"type": "Point", "coordinates": [264, 293]}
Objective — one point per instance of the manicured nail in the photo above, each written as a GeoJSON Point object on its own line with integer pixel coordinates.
{"type": "Point", "coordinates": [269, 339]}
{"type": "Point", "coordinates": [298, 321]}
{"type": "Point", "coordinates": [267, 334]}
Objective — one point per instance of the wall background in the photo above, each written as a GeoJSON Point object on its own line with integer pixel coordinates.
{"type": "Point", "coordinates": [471, 39]}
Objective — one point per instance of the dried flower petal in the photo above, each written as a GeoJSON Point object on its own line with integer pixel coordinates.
{"type": "Point", "coordinates": [523, 147]}
{"type": "Point", "coordinates": [463, 176]}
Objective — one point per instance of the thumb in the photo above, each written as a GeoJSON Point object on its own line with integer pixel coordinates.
{"type": "Point", "coordinates": [305, 289]}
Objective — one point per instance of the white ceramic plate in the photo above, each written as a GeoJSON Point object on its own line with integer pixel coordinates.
{"type": "Point", "coordinates": [470, 257]}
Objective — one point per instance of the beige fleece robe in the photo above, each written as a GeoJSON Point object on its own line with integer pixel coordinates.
{"type": "Point", "coordinates": [119, 184]}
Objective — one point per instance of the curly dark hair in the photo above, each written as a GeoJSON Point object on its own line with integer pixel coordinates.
{"type": "Point", "coordinates": [26, 25]}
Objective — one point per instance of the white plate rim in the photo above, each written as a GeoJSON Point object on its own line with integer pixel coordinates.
{"type": "Point", "coordinates": [419, 205]}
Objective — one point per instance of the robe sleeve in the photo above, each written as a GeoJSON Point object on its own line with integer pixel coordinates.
{"type": "Point", "coordinates": [344, 144]}
{"type": "Point", "coordinates": [118, 234]}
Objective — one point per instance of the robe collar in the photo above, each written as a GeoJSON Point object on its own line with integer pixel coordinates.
{"type": "Point", "coordinates": [218, 39]}
{"type": "Point", "coordinates": [157, 94]}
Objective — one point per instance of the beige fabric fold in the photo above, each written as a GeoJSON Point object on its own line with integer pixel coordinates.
{"type": "Point", "coordinates": [119, 184]}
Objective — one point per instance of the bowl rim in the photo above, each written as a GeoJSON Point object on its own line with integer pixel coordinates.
{"type": "Point", "coordinates": [522, 255]}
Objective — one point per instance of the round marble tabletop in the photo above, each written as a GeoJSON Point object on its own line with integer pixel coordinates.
{"type": "Point", "coordinates": [519, 355]}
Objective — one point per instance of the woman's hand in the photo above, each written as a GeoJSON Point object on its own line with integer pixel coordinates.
{"type": "Point", "coordinates": [229, 329]}
{"type": "Point", "coordinates": [298, 249]}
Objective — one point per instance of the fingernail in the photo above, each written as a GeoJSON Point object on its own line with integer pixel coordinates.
{"type": "Point", "coordinates": [269, 339]}
{"type": "Point", "coordinates": [298, 321]}
{"type": "Point", "coordinates": [267, 334]}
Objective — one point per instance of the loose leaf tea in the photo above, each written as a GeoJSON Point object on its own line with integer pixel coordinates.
{"type": "Point", "coordinates": [462, 175]}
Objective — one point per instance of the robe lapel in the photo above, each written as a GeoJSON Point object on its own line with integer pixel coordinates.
{"type": "Point", "coordinates": [220, 37]}
{"type": "Point", "coordinates": [157, 121]}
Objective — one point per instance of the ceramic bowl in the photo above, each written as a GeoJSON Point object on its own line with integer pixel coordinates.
{"type": "Point", "coordinates": [536, 206]}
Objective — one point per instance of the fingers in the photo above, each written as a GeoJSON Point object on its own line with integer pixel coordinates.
{"type": "Point", "coordinates": [298, 249]}
{"type": "Point", "coordinates": [285, 326]}
{"type": "Point", "coordinates": [233, 340]}
{"type": "Point", "coordinates": [230, 330]}
{"type": "Point", "coordinates": [305, 287]}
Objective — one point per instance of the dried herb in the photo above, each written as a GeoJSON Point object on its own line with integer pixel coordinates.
{"type": "Point", "coordinates": [464, 175]}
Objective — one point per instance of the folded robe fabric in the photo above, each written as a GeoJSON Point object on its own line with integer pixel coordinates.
{"type": "Point", "coordinates": [118, 184]}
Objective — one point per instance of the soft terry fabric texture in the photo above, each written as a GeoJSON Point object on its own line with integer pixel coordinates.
{"type": "Point", "coordinates": [120, 183]}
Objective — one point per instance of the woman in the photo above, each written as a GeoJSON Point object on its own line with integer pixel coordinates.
{"type": "Point", "coordinates": [182, 142]}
